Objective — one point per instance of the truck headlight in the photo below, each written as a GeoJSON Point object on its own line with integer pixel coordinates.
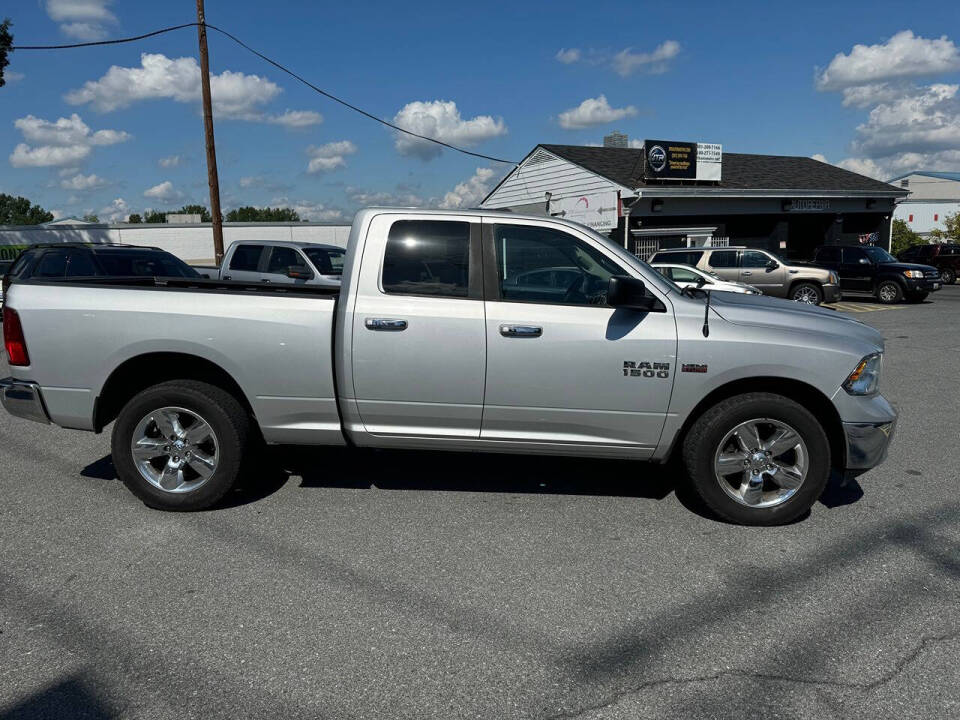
{"type": "Point", "coordinates": [915, 274]}
{"type": "Point", "coordinates": [865, 378]}
{"type": "Point", "coordinates": [834, 278]}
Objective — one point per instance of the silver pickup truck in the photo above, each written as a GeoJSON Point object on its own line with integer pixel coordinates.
{"type": "Point", "coordinates": [432, 342]}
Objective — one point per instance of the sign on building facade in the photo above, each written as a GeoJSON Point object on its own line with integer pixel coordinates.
{"type": "Point", "coordinates": [676, 160]}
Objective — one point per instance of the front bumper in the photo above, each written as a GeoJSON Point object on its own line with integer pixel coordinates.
{"type": "Point", "coordinates": [867, 443]}
{"type": "Point", "coordinates": [23, 399]}
{"type": "Point", "coordinates": [831, 293]}
{"type": "Point", "coordinates": [923, 285]}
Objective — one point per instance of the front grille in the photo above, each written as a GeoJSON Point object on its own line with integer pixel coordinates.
{"type": "Point", "coordinates": [932, 275]}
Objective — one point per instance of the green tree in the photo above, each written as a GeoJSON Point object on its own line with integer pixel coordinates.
{"type": "Point", "coordinates": [154, 217]}
{"type": "Point", "coordinates": [91, 218]}
{"type": "Point", "coordinates": [952, 232]}
{"type": "Point", "coordinates": [20, 211]}
{"type": "Point", "coordinates": [267, 214]}
{"type": "Point", "coordinates": [196, 210]}
{"type": "Point", "coordinates": [135, 219]}
{"type": "Point", "coordinates": [903, 237]}
{"type": "Point", "coordinates": [6, 41]}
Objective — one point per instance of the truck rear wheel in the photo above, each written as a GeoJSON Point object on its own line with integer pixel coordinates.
{"type": "Point", "coordinates": [948, 276]}
{"type": "Point", "coordinates": [179, 445]}
{"type": "Point", "coordinates": [809, 293]}
{"type": "Point", "coordinates": [757, 459]}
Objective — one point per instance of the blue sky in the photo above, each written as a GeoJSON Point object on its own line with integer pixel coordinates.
{"type": "Point", "coordinates": [782, 78]}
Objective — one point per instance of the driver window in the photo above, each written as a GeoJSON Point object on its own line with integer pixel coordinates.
{"type": "Point", "coordinates": [753, 259]}
{"type": "Point", "coordinates": [542, 265]}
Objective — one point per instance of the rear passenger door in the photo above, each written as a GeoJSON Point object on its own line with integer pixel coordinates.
{"type": "Point", "coordinates": [419, 345]}
{"type": "Point", "coordinates": [244, 263]}
{"type": "Point", "coordinates": [725, 264]}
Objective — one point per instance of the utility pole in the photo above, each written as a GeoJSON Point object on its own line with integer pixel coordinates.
{"type": "Point", "coordinates": [212, 180]}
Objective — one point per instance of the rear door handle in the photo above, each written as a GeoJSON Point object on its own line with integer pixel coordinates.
{"type": "Point", "coordinates": [747, 272]}
{"type": "Point", "coordinates": [385, 324]}
{"type": "Point", "coordinates": [525, 331]}
{"type": "Point", "coordinates": [264, 280]}
{"type": "Point", "coordinates": [227, 277]}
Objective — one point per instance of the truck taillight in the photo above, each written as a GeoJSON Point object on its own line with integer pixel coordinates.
{"type": "Point", "coordinates": [13, 339]}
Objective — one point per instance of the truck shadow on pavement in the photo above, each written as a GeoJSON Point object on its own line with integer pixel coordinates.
{"type": "Point", "coordinates": [363, 469]}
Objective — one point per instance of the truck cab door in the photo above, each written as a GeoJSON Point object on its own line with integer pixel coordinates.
{"type": "Point", "coordinates": [419, 345]}
{"type": "Point", "coordinates": [243, 263]}
{"type": "Point", "coordinates": [564, 368]}
{"type": "Point", "coordinates": [757, 269]}
{"type": "Point", "coordinates": [857, 271]}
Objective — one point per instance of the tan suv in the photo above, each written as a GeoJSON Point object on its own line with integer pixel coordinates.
{"type": "Point", "coordinates": [765, 271]}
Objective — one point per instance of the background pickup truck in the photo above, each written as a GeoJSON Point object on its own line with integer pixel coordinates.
{"type": "Point", "coordinates": [872, 271]}
{"type": "Point", "coordinates": [431, 342]}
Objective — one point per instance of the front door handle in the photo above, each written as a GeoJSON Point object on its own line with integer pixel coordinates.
{"type": "Point", "coordinates": [385, 324]}
{"type": "Point", "coordinates": [266, 280]}
{"type": "Point", "coordinates": [227, 277]}
{"type": "Point", "coordinates": [525, 331]}
{"type": "Point", "coordinates": [747, 272]}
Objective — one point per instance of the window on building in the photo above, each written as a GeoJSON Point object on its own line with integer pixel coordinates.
{"type": "Point", "coordinates": [246, 257]}
{"type": "Point", "coordinates": [910, 218]}
{"type": "Point", "coordinates": [904, 183]}
{"type": "Point", "coordinates": [723, 259]}
{"type": "Point", "coordinates": [542, 265]}
{"type": "Point", "coordinates": [427, 257]}
{"type": "Point", "coordinates": [935, 217]}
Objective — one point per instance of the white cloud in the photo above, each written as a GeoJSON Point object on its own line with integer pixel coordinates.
{"type": "Point", "coordinates": [324, 158]}
{"type": "Point", "coordinates": [402, 197]}
{"type": "Point", "coordinates": [819, 157]}
{"type": "Point", "coordinates": [81, 183]}
{"type": "Point", "coordinates": [164, 192]}
{"type": "Point", "coordinates": [567, 57]}
{"type": "Point", "coordinates": [296, 118]}
{"type": "Point", "coordinates": [470, 192]}
{"type": "Point", "coordinates": [82, 19]}
{"type": "Point", "coordinates": [171, 161]}
{"type": "Point", "coordinates": [117, 211]}
{"type": "Point", "coordinates": [626, 62]}
{"type": "Point", "coordinates": [252, 181]}
{"type": "Point", "coordinates": [311, 211]}
{"type": "Point", "coordinates": [904, 55]}
{"type": "Point", "coordinates": [440, 119]}
{"type": "Point", "coordinates": [923, 119]}
{"type": "Point", "coordinates": [236, 95]}
{"type": "Point", "coordinates": [66, 141]}
{"type": "Point", "coordinates": [635, 144]}
{"type": "Point", "coordinates": [593, 111]}
{"type": "Point", "coordinates": [11, 76]}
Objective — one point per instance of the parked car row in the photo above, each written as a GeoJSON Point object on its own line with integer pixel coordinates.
{"type": "Point", "coordinates": [836, 271]}
{"type": "Point", "coordinates": [945, 257]}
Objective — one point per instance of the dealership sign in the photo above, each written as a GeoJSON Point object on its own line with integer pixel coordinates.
{"type": "Point", "coordinates": [597, 211]}
{"type": "Point", "coordinates": [675, 160]}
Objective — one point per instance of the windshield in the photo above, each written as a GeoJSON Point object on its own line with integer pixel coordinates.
{"type": "Point", "coordinates": [140, 263]}
{"type": "Point", "coordinates": [878, 255]}
{"type": "Point", "coordinates": [327, 262]}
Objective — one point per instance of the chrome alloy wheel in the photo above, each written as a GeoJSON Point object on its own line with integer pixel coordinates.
{"type": "Point", "coordinates": [175, 449]}
{"type": "Point", "coordinates": [806, 295]}
{"type": "Point", "coordinates": [888, 293]}
{"type": "Point", "coordinates": [761, 463]}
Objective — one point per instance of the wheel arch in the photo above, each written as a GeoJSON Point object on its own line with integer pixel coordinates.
{"type": "Point", "coordinates": [143, 371]}
{"type": "Point", "coordinates": [800, 392]}
{"type": "Point", "coordinates": [804, 281]}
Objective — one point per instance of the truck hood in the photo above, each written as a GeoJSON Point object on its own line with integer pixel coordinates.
{"type": "Point", "coordinates": [764, 311]}
{"type": "Point", "coordinates": [901, 266]}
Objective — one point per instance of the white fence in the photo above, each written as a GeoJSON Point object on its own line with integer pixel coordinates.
{"type": "Point", "coordinates": [191, 243]}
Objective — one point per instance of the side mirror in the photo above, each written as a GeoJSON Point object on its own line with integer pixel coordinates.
{"type": "Point", "coordinates": [773, 265]}
{"type": "Point", "coordinates": [298, 272]}
{"type": "Point", "coordinates": [701, 281]}
{"type": "Point", "coordinates": [631, 293]}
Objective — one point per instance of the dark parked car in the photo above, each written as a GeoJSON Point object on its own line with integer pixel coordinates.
{"type": "Point", "coordinates": [945, 257]}
{"type": "Point", "coordinates": [66, 260]}
{"type": "Point", "coordinates": [869, 270]}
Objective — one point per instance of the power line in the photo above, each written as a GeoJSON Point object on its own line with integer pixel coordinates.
{"type": "Point", "coordinates": [280, 67]}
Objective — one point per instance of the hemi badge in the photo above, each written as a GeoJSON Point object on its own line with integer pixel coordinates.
{"type": "Point", "coordinates": [693, 367]}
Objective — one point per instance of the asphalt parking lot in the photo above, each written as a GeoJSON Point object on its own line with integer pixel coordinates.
{"type": "Point", "coordinates": [410, 585]}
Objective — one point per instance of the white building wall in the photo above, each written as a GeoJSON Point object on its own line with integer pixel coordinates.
{"type": "Point", "coordinates": [924, 187]}
{"type": "Point", "coordinates": [925, 216]}
{"type": "Point", "coordinates": [544, 172]}
{"type": "Point", "coordinates": [191, 243]}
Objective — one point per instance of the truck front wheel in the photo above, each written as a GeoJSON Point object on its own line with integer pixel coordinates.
{"type": "Point", "coordinates": [757, 459]}
{"type": "Point", "coordinates": [809, 293]}
{"type": "Point", "coordinates": [179, 445]}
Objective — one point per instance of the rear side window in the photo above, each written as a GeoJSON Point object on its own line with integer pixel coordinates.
{"type": "Point", "coordinates": [427, 257]}
{"type": "Point", "coordinates": [81, 265]}
{"type": "Point", "coordinates": [21, 263]}
{"type": "Point", "coordinates": [125, 263]}
{"type": "Point", "coordinates": [723, 259]}
{"type": "Point", "coordinates": [246, 257]}
{"type": "Point", "coordinates": [53, 264]}
{"type": "Point", "coordinates": [283, 257]}
{"type": "Point", "coordinates": [852, 256]}
{"type": "Point", "coordinates": [328, 262]}
{"type": "Point", "coordinates": [686, 257]}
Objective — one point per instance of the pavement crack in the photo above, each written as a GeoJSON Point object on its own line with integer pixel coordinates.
{"type": "Point", "coordinates": [885, 678]}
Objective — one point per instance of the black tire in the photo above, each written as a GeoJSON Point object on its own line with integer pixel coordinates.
{"type": "Point", "coordinates": [703, 440]}
{"type": "Point", "coordinates": [226, 417]}
{"type": "Point", "coordinates": [807, 290]}
{"type": "Point", "coordinates": [889, 292]}
{"type": "Point", "coordinates": [948, 276]}
{"type": "Point", "coordinates": [918, 297]}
